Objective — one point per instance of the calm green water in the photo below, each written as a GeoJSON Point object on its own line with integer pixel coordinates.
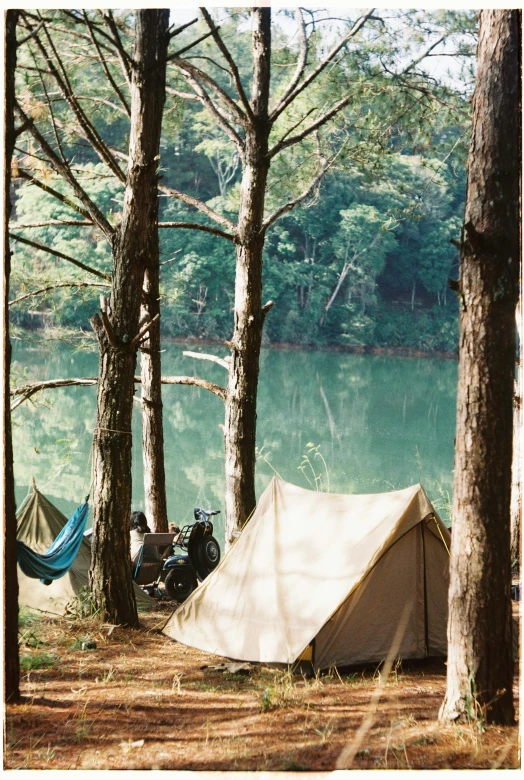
{"type": "Point", "coordinates": [380, 423]}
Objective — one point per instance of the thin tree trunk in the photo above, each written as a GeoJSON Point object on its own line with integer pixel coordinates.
{"type": "Point", "coordinates": [241, 404]}
{"type": "Point", "coordinates": [152, 415]}
{"type": "Point", "coordinates": [11, 657]}
{"type": "Point", "coordinates": [516, 466]}
{"type": "Point", "coordinates": [480, 664]}
{"type": "Point", "coordinates": [110, 573]}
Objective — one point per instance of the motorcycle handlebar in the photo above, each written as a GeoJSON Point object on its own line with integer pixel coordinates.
{"type": "Point", "coordinates": [198, 512]}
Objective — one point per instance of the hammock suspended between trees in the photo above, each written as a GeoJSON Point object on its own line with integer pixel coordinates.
{"type": "Point", "coordinates": [61, 554]}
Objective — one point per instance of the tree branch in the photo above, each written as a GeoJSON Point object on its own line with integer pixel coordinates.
{"type": "Point", "coordinates": [180, 29]}
{"type": "Point", "coordinates": [64, 86]}
{"type": "Point", "coordinates": [190, 380]}
{"type": "Point", "coordinates": [224, 362]}
{"type": "Point", "coordinates": [51, 223]}
{"type": "Point", "coordinates": [62, 168]}
{"type": "Point", "coordinates": [184, 95]}
{"type": "Point", "coordinates": [313, 75]}
{"type": "Point", "coordinates": [50, 108]}
{"type": "Point", "coordinates": [200, 205]}
{"type": "Point", "coordinates": [230, 61]}
{"type": "Point", "coordinates": [220, 116]}
{"type": "Point", "coordinates": [27, 391]}
{"type": "Point", "coordinates": [31, 35]}
{"type": "Point", "coordinates": [60, 255]}
{"type": "Point", "coordinates": [142, 332]}
{"type": "Point", "coordinates": [301, 198]}
{"type": "Point", "coordinates": [200, 75]}
{"type": "Point", "coordinates": [196, 226]}
{"type": "Point", "coordinates": [105, 66]}
{"type": "Point", "coordinates": [56, 286]}
{"type": "Point", "coordinates": [422, 56]}
{"type": "Point", "coordinates": [301, 62]}
{"type": "Point", "coordinates": [21, 174]}
{"type": "Point", "coordinates": [104, 102]}
{"type": "Point", "coordinates": [266, 308]}
{"type": "Point", "coordinates": [108, 328]}
{"type": "Point", "coordinates": [123, 56]}
{"type": "Point", "coordinates": [284, 143]}
{"type": "Point", "coordinates": [189, 46]}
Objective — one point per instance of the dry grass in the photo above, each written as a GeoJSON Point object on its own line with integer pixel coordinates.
{"type": "Point", "coordinates": [141, 701]}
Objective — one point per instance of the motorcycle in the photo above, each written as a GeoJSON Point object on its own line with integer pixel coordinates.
{"type": "Point", "coordinates": [181, 571]}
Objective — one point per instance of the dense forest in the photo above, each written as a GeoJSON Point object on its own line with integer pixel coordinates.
{"type": "Point", "coordinates": [364, 262]}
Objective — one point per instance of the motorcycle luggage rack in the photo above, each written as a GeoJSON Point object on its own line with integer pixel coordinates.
{"type": "Point", "coordinates": [183, 537]}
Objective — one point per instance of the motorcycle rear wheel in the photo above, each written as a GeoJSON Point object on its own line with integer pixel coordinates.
{"type": "Point", "coordinates": [208, 554]}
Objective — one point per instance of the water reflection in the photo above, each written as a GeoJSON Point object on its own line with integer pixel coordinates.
{"type": "Point", "coordinates": [379, 423]}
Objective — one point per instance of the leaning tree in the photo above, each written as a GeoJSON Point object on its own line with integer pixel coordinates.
{"type": "Point", "coordinates": [480, 662]}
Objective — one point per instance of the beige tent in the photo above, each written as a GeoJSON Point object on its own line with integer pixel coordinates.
{"type": "Point", "coordinates": [38, 524]}
{"type": "Point", "coordinates": [347, 578]}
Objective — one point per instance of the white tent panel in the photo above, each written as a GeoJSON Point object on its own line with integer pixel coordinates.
{"type": "Point", "coordinates": [300, 557]}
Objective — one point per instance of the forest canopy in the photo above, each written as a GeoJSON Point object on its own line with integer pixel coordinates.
{"type": "Point", "coordinates": [364, 261]}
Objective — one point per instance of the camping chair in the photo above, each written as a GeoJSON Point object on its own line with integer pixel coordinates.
{"type": "Point", "coordinates": [148, 572]}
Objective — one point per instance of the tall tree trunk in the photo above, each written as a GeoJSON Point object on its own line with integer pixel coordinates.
{"type": "Point", "coordinates": [241, 404]}
{"type": "Point", "coordinates": [480, 665]}
{"type": "Point", "coordinates": [11, 658]}
{"type": "Point", "coordinates": [518, 426]}
{"type": "Point", "coordinates": [152, 426]}
{"type": "Point", "coordinates": [110, 573]}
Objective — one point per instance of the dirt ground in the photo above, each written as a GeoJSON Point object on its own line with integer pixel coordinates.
{"type": "Point", "coordinates": [141, 701]}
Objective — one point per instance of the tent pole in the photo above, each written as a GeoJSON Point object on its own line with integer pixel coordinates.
{"type": "Point", "coordinates": [426, 632]}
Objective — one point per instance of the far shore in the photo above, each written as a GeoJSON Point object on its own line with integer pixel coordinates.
{"type": "Point", "coordinates": [63, 334]}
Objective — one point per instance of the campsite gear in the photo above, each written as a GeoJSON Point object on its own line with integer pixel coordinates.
{"type": "Point", "coordinates": [333, 579]}
{"type": "Point", "coordinates": [180, 572]}
{"type": "Point", "coordinates": [59, 558]}
{"type": "Point", "coordinates": [39, 522]}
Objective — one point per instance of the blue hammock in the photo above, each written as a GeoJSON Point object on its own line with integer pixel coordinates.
{"type": "Point", "coordinates": [59, 558]}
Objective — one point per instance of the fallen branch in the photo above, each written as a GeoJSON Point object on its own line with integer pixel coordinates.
{"type": "Point", "coordinates": [224, 362]}
{"type": "Point", "coordinates": [26, 391]}
{"type": "Point", "coordinates": [193, 380]}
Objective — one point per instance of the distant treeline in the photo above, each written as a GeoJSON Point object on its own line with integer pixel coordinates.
{"type": "Point", "coordinates": [366, 265]}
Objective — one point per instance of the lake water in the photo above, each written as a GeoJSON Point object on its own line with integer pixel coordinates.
{"type": "Point", "coordinates": [345, 423]}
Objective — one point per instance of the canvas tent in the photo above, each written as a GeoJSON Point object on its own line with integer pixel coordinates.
{"type": "Point", "coordinates": [38, 524]}
{"type": "Point", "coordinates": [346, 577]}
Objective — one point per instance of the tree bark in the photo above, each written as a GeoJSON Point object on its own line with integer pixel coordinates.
{"type": "Point", "coordinates": [516, 466]}
{"type": "Point", "coordinates": [152, 414]}
{"type": "Point", "coordinates": [11, 657]}
{"type": "Point", "coordinates": [241, 404]}
{"type": "Point", "coordinates": [480, 664]}
{"type": "Point", "coordinates": [110, 573]}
